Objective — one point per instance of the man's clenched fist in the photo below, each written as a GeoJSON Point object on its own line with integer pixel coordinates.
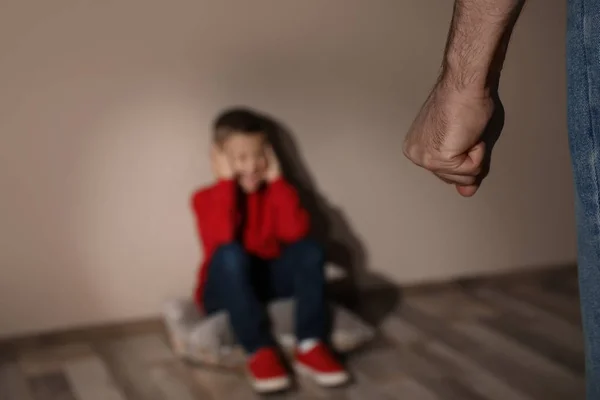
{"type": "Point", "coordinates": [447, 136]}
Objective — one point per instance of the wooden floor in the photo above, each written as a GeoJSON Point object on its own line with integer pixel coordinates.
{"type": "Point", "coordinates": [500, 339]}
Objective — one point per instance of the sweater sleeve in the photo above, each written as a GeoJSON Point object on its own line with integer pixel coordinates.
{"type": "Point", "coordinates": [214, 208]}
{"type": "Point", "coordinates": [292, 221]}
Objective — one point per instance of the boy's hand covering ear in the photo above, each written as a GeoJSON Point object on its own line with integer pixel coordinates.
{"type": "Point", "coordinates": [273, 167]}
{"type": "Point", "coordinates": [220, 164]}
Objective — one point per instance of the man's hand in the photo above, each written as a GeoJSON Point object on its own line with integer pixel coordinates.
{"type": "Point", "coordinates": [220, 164]}
{"type": "Point", "coordinates": [458, 125]}
{"type": "Point", "coordinates": [273, 167]}
{"type": "Point", "coordinates": [446, 137]}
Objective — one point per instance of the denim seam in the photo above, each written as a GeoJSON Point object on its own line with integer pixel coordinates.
{"type": "Point", "coordinates": [585, 37]}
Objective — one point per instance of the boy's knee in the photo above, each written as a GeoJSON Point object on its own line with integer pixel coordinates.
{"type": "Point", "coordinates": [232, 258]}
{"type": "Point", "coordinates": [310, 251]}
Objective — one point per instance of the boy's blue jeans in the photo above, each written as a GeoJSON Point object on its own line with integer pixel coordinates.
{"type": "Point", "coordinates": [583, 66]}
{"type": "Point", "coordinates": [242, 285]}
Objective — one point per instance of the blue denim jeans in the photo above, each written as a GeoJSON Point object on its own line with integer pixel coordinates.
{"type": "Point", "coordinates": [583, 66]}
{"type": "Point", "coordinates": [242, 285]}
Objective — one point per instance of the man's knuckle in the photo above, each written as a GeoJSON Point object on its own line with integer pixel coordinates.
{"type": "Point", "coordinates": [406, 150]}
{"type": "Point", "coordinates": [428, 162]}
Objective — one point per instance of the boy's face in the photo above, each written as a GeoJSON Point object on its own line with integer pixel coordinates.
{"type": "Point", "coordinates": [246, 154]}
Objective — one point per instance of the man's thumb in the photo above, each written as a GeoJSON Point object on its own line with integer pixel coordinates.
{"type": "Point", "coordinates": [468, 190]}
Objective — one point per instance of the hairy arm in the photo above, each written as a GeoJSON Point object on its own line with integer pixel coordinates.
{"type": "Point", "coordinates": [477, 42]}
{"type": "Point", "coordinates": [455, 130]}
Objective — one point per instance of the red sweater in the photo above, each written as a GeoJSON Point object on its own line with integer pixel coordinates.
{"type": "Point", "coordinates": [274, 216]}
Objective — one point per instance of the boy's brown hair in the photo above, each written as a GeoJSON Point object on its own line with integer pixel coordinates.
{"type": "Point", "coordinates": [237, 121]}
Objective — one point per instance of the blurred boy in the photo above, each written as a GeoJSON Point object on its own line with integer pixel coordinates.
{"type": "Point", "coordinates": [254, 235]}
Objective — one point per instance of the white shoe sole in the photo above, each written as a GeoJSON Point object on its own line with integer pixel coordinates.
{"type": "Point", "coordinates": [272, 385]}
{"type": "Point", "coordinates": [332, 379]}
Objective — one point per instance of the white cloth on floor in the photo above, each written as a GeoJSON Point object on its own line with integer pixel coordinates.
{"type": "Point", "coordinates": [209, 339]}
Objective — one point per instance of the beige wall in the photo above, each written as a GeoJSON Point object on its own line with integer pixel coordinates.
{"type": "Point", "coordinates": [104, 114]}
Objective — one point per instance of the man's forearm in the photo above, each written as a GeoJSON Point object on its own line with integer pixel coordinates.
{"type": "Point", "coordinates": [477, 41]}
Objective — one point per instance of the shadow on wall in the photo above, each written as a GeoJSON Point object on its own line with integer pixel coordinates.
{"type": "Point", "coordinates": [369, 294]}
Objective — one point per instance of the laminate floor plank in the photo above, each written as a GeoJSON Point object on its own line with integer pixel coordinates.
{"type": "Point", "coordinates": [51, 386]}
{"type": "Point", "coordinates": [132, 361]}
{"type": "Point", "coordinates": [564, 384]}
{"type": "Point", "coordinates": [500, 364]}
{"type": "Point", "coordinates": [224, 385]}
{"type": "Point", "coordinates": [466, 371]}
{"type": "Point", "coordinates": [453, 304]}
{"type": "Point", "coordinates": [528, 334]}
{"type": "Point", "coordinates": [406, 363]}
{"type": "Point", "coordinates": [45, 360]}
{"type": "Point", "coordinates": [565, 307]}
{"type": "Point", "coordinates": [179, 375]}
{"type": "Point", "coordinates": [548, 324]}
{"type": "Point", "coordinates": [90, 380]}
{"type": "Point", "coordinates": [13, 385]}
{"type": "Point", "coordinates": [400, 332]}
{"type": "Point", "coordinates": [479, 380]}
{"type": "Point", "coordinates": [409, 389]}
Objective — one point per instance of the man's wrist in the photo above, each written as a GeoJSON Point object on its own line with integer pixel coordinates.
{"type": "Point", "coordinates": [477, 79]}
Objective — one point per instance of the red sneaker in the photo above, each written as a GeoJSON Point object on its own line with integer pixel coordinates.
{"type": "Point", "coordinates": [320, 365]}
{"type": "Point", "coordinates": [267, 375]}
